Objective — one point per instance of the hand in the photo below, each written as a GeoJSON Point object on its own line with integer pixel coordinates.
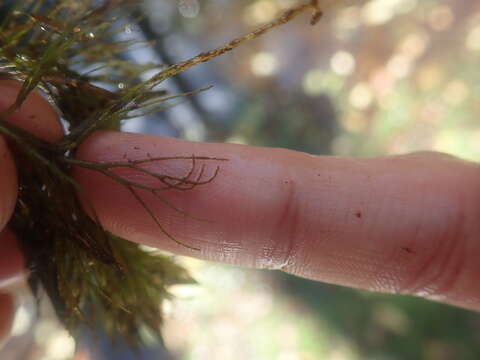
{"type": "Point", "coordinates": [30, 117]}
{"type": "Point", "coordinates": [403, 224]}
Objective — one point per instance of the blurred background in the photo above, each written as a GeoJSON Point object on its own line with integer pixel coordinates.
{"type": "Point", "coordinates": [372, 78]}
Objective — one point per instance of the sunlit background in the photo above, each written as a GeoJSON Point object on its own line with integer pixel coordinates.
{"type": "Point", "coordinates": [372, 78]}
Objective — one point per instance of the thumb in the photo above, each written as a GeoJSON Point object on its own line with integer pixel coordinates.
{"type": "Point", "coordinates": [36, 116]}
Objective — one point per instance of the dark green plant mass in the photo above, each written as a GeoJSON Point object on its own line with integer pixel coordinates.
{"type": "Point", "coordinates": [86, 271]}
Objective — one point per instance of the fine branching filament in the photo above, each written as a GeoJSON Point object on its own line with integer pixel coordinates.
{"type": "Point", "coordinates": [196, 175]}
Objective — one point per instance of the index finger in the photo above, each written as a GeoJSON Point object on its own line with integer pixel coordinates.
{"type": "Point", "coordinates": [403, 224]}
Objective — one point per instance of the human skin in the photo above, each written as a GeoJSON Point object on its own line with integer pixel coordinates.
{"type": "Point", "coordinates": [38, 117]}
{"type": "Point", "coordinates": [403, 224]}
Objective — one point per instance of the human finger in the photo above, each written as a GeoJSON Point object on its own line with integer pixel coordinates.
{"type": "Point", "coordinates": [39, 118]}
{"type": "Point", "coordinates": [35, 115]}
{"type": "Point", "coordinates": [406, 224]}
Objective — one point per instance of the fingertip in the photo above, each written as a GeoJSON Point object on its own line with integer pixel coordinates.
{"type": "Point", "coordinates": [35, 115]}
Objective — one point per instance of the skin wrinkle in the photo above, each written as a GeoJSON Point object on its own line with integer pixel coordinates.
{"type": "Point", "coordinates": [415, 241]}
{"type": "Point", "coordinates": [295, 257]}
{"type": "Point", "coordinates": [435, 273]}
{"type": "Point", "coordinates": [440, 271]}
{"type": "Point", "coordinates": [285, 233]}
{"type": "Point", "coordinates": [335, 219]}
{"type": "Point", "coordinates": [390, 271]}
{"type": "Point", "coordinates": [256, 255]}
{"type": "Point", "coordinates": [298, 261]}
{"type": "Point", "coordinates": [272, 254]}
{"type": "Point", "coordinates": [373, 281]}
{"type": "Point", "coordinates": [305, 263]}
{"type": "Point", "coordinates": [395, 263]}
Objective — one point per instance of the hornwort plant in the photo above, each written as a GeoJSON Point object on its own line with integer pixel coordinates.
{"type": "Point", "coordinates": [86, 271]}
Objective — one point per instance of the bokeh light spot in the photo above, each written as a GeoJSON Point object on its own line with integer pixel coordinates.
{"type": "Point", "coordinates": [343, 63]}
{"type": "Point", "coordinates": [361, 96]}
{"type": "Point", "coordinates": [441, 18]}
{"type": "Point", "coordinates": [264, 64]}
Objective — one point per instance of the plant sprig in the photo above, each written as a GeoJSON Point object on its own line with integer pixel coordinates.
{"type": "Point", "coordinates": [88, 272]}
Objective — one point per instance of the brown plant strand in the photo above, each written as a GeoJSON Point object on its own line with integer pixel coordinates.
{"type": "Point", "coordinates": [207, 56]}
{"type": "Point", "coordinates": [185, 183]}
{"type": "Point", "coordinates": [77, 136]}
